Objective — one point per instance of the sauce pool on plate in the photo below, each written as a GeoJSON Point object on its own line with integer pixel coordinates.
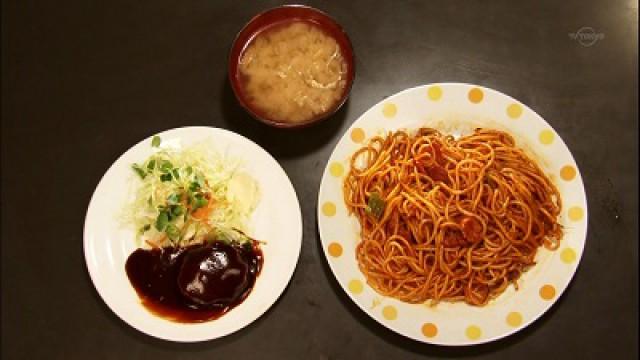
{"type": "Point", "coordinates": [293, 72]}
{"type": "Point", "coordinates": [195, 283]}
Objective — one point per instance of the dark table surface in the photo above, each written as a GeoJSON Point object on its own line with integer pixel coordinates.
{"type": "Point", "coordinates": [82, 81]}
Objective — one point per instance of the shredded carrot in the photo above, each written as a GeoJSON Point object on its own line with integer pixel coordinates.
{"type": "Point", "coordinates": [203, 212]}
{"type": "Point", "coordinates": [151, 243]}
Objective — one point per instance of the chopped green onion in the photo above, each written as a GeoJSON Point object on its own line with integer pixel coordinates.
{"type": "Point", "coordinates": [199, 201]}
{"type": "Point", "coordinates": [155, 141]}
{"type": "Point", "coordinates": [200, 180]}
{"type": "Point", "coordinates": [173, 198]}
{"type": "Point", "coordinates": [139, 171]}
{"type": "Point", "coordinates": [175, 173]}
{"type": "Point", "coordinates": [145, 228]}
{"type": "Point", "coordinates": [166, 177]}
{"type": "Point", "coordinates": [177, 210]}
{"type": "Point", "coordinates": [172, 232]}
{"type": "Point", "coordinates": [194, 186]}
{"type": "Point", "coordinates": [166, 166]}
{"type": "Point", "coordinates": [151, 165]}
{"type": "Point", "coordinates": [162, 220]}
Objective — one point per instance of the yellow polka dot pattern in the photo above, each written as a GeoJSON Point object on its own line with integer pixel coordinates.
{"type": "Point", "coordinates": [546, 137]}
{"type": "Point", "coordinates": [568, 256]}
{"type": "Point", "coordinates": [567, 173]}
{"type": "Point", "coordinates": [514, 319]}
{"type": "Point", "coordinates": [389, 110]}
{"type": "Point", "coordinates": [429, 330]}
{"type": "Point", "coordinates": [514, 111]}
{"type": "Point", "coordinates": [473, 332]}
{"type": "Point", "coordinates": [357, 135]}
{"type": "Point", "coordinates": [434, 93]}
{"type": "Point", "coordinates": [329, 209]}
{"type": "Point", "coordinates": [355, 286]}
{"type": "Point", "coordinates": [547, 292]}
{"type": "Point", "coordinates": [335, 249]}
{"type": "Point", "coordinates": [336, 169]}
{"type": "Point", "coordinates": [476, 95]}
{"type": "Point", "coordinates": [576, 213]}
{"type": "Point", "coordinates": [389, 312]}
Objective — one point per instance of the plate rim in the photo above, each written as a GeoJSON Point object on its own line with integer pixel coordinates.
{"type": "Point", "coordinates": [261, 311]}
{"type": "Point", "coordinates": [432, 341]}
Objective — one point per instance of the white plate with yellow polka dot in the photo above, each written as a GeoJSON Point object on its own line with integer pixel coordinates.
{"type": "Point", "coordinates": [456, 109]}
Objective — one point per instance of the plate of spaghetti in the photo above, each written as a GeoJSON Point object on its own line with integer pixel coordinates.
{"type": "Point", "coordinates": [452, 214]}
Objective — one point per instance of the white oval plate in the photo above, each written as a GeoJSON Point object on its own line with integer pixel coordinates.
{"type": "Point", "coordinates": [456, 108]}
{"type": "Point", "coordinates": [277, 220]}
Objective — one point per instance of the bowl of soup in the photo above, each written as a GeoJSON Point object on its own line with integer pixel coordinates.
{"type": "Point", "coordinates": [291, 66]}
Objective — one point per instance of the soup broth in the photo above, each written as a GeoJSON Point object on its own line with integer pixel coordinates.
{"type": "Point", "coordinates": [293, 72]}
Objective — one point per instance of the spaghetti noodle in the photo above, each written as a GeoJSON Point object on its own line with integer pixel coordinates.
{"type": "Point", "coordinates": [445, 219]}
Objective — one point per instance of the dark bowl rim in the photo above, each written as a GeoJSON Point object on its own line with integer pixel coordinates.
{"type": "Point", "coordinates": [314, 120]}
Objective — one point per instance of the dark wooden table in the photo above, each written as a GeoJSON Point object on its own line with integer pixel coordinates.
{"type": "Point", "coordinates": [82, 81]}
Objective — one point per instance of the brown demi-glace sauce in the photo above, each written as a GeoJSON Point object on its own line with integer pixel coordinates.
{"type": "Point", "coordinates": [195, 283]}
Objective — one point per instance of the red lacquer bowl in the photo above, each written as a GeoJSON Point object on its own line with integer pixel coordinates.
{"type": "Point", "coordinates": [278, 16]}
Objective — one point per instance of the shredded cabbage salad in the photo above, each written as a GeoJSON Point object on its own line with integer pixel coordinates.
{"type": "Point", "coordinates": [190, 195]}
